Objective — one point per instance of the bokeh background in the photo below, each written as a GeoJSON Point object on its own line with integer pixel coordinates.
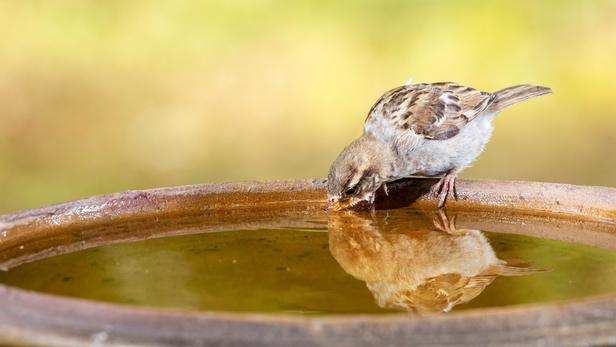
{"type": "Point", "coordinates": [104, 96]}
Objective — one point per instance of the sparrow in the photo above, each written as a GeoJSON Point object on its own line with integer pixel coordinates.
{"type": "Point", "coordinates": [425, 129]}
{"type": "Point", "coordinates": [413, 266]}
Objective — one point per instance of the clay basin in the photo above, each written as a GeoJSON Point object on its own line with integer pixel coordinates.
{"type": "Point", "coordinates": [392, 259]}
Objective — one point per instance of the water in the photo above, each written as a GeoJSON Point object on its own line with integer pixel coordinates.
{"type": "Point", "coordinates": [380, 262]}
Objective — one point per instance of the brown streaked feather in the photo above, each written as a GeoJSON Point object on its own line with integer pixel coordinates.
{"type": "Point", "coordinates": [447, 290]}
{"type": "Point", "coordinates": [434, 111]}
{"type": "Point", "coordinates": [514, 94]}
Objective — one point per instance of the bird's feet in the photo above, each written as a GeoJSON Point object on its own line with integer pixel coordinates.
{"type": "Point", "coordinates": [443, 223]}
{"type": "Point", "coordinates": [446, 185]}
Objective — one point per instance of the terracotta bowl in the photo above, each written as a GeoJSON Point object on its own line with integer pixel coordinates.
{"type": "Point", "coordinates": [554, 211]}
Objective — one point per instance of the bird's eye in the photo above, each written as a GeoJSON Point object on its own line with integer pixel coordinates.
{"type": "Point", "coordinates": [350, 191]}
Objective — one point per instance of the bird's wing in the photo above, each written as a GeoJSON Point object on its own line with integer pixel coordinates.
{"type": "Point", "coordinates": [447, 290]}
{"type": "Point", "coordinates": [436, 111]}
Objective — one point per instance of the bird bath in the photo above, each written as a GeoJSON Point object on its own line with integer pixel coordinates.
{"type": "Point", "coordinates": [265, 264]}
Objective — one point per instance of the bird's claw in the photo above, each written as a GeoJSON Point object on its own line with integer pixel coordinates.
{"type": "Point", "coordinates": [442, 222]}
{"type": "Point", "coordinates": [445, 186]}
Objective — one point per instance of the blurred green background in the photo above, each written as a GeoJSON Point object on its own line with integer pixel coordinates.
{"type": "Point", "coordinates": [104, 96]}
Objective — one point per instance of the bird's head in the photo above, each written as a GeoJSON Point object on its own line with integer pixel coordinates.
{"type": "Point", "coordinates": [356, 174]}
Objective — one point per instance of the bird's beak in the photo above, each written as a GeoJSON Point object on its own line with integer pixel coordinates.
{"type": "Point", "coordinates": [357, 203]}
{"type": "Point", "coordinates": [339, 204]}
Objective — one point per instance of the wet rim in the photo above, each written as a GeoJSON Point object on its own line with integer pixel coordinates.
{"type": "Point", "coordinates": [30, 318]}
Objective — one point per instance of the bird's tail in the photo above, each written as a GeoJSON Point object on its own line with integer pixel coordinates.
{"type": "Point", "coordinates": [514, 94]}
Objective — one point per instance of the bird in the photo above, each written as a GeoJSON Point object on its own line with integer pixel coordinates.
{"type": "Point", "coordinates": [412, 265]}
{"type": "Point", "coordinates": [423, 129]}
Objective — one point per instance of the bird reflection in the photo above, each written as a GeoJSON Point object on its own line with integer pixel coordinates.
{"type": "Point", "coordinates": [415, 263]}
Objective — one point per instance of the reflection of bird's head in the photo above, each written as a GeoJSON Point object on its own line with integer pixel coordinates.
{"type": "Point", "coordinates": [414, 268]}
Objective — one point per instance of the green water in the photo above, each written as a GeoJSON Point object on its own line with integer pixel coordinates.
{"type": "Point", "coordinates": [315, 272]}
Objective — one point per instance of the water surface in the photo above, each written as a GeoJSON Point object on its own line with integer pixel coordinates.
{"type": "Point", "coordinates": [355, 263]}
